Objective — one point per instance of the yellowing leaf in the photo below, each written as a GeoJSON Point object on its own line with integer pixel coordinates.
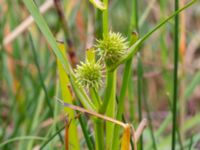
{"type": "Point", "coordinates": [125, 141]}
{"type": "Point", "coordinates": [71, 134]}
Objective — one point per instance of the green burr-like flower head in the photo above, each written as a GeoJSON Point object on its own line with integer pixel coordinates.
{"type": "Point", "coordinates": [112, 48]}
{"type": "Point", "coordinates": [89, 74]}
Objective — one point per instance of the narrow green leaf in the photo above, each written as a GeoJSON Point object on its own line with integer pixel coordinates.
{"type": "Point", "coordinates": [190, 88]}
{"type": "Point", "coordinates": [22, 138]}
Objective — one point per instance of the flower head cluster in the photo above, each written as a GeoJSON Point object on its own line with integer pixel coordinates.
{"type": "Point", "coordinates": [89, 74]}
{"type": "Point", "coordinates": [112, 48]}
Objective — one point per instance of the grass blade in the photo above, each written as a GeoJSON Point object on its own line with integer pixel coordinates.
{"type": "Point", "coordinates": [42, 83]}
{"type": "Point", "coordinates": [139, 91]}
{"type": "Point", "coordinates": [175, 81]}
{"type": "Point", "coordinates": [21, 138]}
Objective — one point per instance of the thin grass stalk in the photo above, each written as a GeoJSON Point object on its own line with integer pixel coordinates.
{"type": "Point", "coordinates": [52, 137]}
{"type": "Point", "coordinates": [182, 59]}
{"type": "Point", "coordinates": [177, 128]}
{"type": "Point", "coordinates": [105, 18]}
{"type": "Point", "coordinates": [120, 109]}
{"type": "Point", "coordinates": [139, 93]}
{"type": "Point", "coordinates": [163, 43]}
{"type": "Point", "coordinates": [1, 56]}
{"type": "Point", "coordinates": [175, 80]}
{"type": "Point", "coordinates": [131, 98]}
{"type": "Point", "coordinates": [43, 85]}
{"type": "Point", "coordinates": [98, 127]}
{"type": "Point", "coordinates": [86, 132]}
{"type": "Point", "coordinates": [126, 77]}
{"type": "Point", "coordinates": [149, 118]}
{"type": "Point", "coordinates": [56, 109]}
{"type": "Point", "coordinates": [191, 143]}
{"type": "Point", "coordinates": [35, 120]}
{"type": "Point", "coordinates": [140, 77]}
{"type": "Point", "coordinates": [110, 92]}
{"type": "Point", "coordinates": [21, 138]}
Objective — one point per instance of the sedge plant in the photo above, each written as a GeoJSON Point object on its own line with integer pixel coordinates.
{"type": "Point", "coordinates": [99, 73]}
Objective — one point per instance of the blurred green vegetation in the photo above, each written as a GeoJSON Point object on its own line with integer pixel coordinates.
{"type": "Point", "coordinates": [28, 80]}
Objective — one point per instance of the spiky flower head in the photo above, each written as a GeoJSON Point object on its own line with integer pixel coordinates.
{"type": "Point", "coordinates": [112, 48]}
{"type": "Point", "coordinates": [89, 74]}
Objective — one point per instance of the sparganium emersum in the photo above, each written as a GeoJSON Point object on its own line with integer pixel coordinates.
{"type": "Point", "coordinates": [89, 74]}
{"type": "Point", "coordinates": [112, 48]}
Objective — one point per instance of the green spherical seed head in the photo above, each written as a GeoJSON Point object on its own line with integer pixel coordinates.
{"type": "Point", "coordinates": [112, 48]}
{"type": "Point", "coordinates": [89, 74]}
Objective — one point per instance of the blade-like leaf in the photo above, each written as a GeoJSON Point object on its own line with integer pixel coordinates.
{"type": "Point", "coordinates": [67, 97]}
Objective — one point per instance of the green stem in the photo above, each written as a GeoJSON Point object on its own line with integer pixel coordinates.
{"type": "Point", "coordinates": [86, 132]}
{"type": "Point", "coordinates": [131, 98]}
{"type": "Point", "coordinates": [98, 24]}
{"type": "Point", "coordinates": [99, 134]}
{"type": "Point", "coordinates": [96, 98]}
{"type": "Point", "coordinates": [140, 88]}
{"type": "Point", "coordinates": [98, 123]}
{"type": "Point", "coordinates": [175, 81]}
{"type": "Point", "coordinates": [109, 86]}
{"type": "Point", "coordinates": [126, 76]}
{"type": "Point", "coordinates": [105, 18]}
{"type": "Point", "coordinates": [111, 97]}
{"type": "Point", "coordinates": [120, 110]}
{"type": "Point", "coordinates": [52, 137]}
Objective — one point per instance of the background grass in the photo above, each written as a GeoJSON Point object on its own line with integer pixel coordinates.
{"type": "Point", "coordinates": [29, 76]}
